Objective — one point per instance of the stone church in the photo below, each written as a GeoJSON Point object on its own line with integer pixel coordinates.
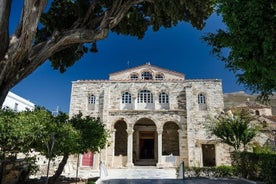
{"type": "Point", "coordinates": [155, 117]}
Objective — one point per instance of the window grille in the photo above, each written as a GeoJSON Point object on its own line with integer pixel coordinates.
{"type": "Point", "coordinates": [163, 98]}
{"type": "Point", "coordinates": [159, 77]}
{"type": "Point", "coordinates": [145, 96]}
{"type": "Point", "coordinates": [201, 99]}
{"type": "Point", "coordinates": [146, 76]}
{"type": "Point", "coordinates": [126, 98]}
{"type": "Point", "coordinates": [134, 77]}
{"type": "Point", "coordinates": [91, 99]}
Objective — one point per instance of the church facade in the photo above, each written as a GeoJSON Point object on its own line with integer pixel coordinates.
{"type": "Point", "coordinates": [155, 117]}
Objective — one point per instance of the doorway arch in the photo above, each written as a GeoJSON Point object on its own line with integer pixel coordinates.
{"type": "Point", "coordinates": [170, 139]}
{"type": "Point", "coordinates": [120, 138]}
{"type": "Point", "coordinates": [145, 142]}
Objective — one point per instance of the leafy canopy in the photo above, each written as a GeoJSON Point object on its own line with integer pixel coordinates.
{"type": "Point", "coordinates": [134, 20]}
{"type": "Point", "coordinates": [248, 43]}
{"type": "Point", "coordinates": [19, 130]}
{"type": "Point", "coordinates": [234, 129]}
{"type": "Point", "coordinates": [76, 135]}
{"type": "Point", "coordinates": [64, 30]}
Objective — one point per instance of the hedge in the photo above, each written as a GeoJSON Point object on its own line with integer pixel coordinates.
{"type": "Point", "coordinates": [255, 166]}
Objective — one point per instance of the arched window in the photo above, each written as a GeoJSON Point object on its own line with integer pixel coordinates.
{"type": "Point", "coordinates": [145, 96]}
{"type": "Point", "coordinates": [201, 99]}
{"type": "Point", "coordinates": [134, 77]}
{"type": "Point", "coordinates": [91, 99]}
{"type": "Point", "coordinates": [201, 102]}
{"type": "Point", "coordinates": [146, 76]}
{"type": "Point", "coordinates": [163, 98]}
{"type": "Point", "coordinates": [159, 77]}
{"type": "Point", "coordinates": [120, 138]}
{"type": "Point", "coordinates": [126, 98]}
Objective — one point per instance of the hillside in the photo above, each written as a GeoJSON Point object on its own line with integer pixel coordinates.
{"type": "Point", "coordinates": [236, 98]}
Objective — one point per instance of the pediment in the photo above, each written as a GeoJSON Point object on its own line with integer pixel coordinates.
{"type": "Point", "coordinates": [146, 72]}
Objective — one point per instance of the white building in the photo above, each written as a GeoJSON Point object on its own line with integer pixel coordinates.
{"type": "Point", "coordinates": [17, 103]}
{"type": "Point", "coordinates": [155, 116]}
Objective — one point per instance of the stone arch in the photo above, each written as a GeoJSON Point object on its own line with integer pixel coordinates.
{"type": "Point", "coordinates": [145, 142]}
{"type": "Point", "coordinates": [170, 139]}
{"type": "Point", "coordinates": [114, 121]}
{"type": "Point", "coordinates": [120, 145]}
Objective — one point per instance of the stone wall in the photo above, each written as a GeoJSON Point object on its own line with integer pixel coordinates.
{"type": "Point", "coordinates": [15, 171]}
{"type": "Point", "coordinates": [183, 110]}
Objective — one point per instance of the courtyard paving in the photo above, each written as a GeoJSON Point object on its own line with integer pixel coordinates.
{"type": "Point", "coordinates": [152, 175]}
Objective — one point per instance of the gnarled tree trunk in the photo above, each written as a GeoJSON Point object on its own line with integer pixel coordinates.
{"type": "Point", "coordinates": [19, 56]}
{"type": "Point", "coordinates": [60, 168]}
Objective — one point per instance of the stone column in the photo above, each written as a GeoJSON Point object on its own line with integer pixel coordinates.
{"type": "Point", "coordinates": [113, 147]}
{"type": "Point", "coordinates": [159, 138]}
{"type": "Point", "coordinates": [130, 147]}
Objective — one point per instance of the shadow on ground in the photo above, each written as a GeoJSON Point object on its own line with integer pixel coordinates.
{"type": "Point", "coordinates": [176, 181]}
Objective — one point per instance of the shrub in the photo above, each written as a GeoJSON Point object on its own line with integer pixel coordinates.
{"type": "Point", "coordinates": [256, 166]}
{"type": "Point", "coordinates": [225, 171]}
{"type": "Point", "coordinates": [220, 171]}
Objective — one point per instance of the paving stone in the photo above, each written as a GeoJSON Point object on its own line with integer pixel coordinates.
{"type": "Point", "coordinates": [159, 176]}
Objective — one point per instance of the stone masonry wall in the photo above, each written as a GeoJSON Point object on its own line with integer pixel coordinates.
{"type": "Point", "coordinates": [183, 109]}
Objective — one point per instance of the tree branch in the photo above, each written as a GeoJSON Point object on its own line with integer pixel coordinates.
{"type": "Point", "coordinates": [42, 51]}
{"type": "Point", "coordinates": [27, 58]}
{"type": "Point", "coordinates": [21, 42]}
{"type": "Point", "coordinates": [121, 9]}
{"type": "Point", "coordinates": [5, 6]}
{"type": "Point", "coordinates": [89, 12]}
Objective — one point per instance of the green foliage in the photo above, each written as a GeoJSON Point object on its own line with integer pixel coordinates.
{"type": "Point", "coordinates": [19, 131]}
{"type": "Point", "coordinates": [220, 171]}
{"type": "Point", "coordinates": [262, 149]}
{"type": "Point", "coordinates": [50, 135]}
{"type": "Point", "coordinates": [64, 15]}
{"type": "Point", "coordinates": [234, 129]}
{"type": "Point", "coordinates": [57, 132]}
{"type": "Point", "coordinates": [93, 135]}
{"type": "Point", "coordinates": [248, 43]}
{"type": "Point", "coordinates": [70, 136]}
{"type": "Point", "coordinates": [255, 166]}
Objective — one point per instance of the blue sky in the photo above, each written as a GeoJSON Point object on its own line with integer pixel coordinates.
{"type": "Point", "coordinates": [179, 48]}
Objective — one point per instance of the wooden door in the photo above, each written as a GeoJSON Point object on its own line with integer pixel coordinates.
{"type": "Point", "coordinates": [87, 159]}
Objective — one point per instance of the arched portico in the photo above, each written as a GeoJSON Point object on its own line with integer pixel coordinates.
{"type": "Point", "coordinates": [120, 140]}
{"type": "Point", "coordinates": [170, 139]}
{"type": "Point", "coordinates": [145, 142]}
{"type": "Point", "coordinates": [120, 147]}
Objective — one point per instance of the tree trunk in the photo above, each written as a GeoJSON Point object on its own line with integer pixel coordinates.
{"type": "Point", "coordinates": [3, 166]}
{"type": "Point", "coordinates": [60, 168]}
{"type": "Point", "coordinates": [3, 93]}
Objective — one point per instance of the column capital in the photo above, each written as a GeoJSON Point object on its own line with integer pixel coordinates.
{"type": "Point", "coordinates": [159, 131]}
{"type": "Point", "coordinates": [130, 131]}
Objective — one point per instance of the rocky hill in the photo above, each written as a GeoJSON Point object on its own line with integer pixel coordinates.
{"type": "Point", "coordinates": [237, 98]}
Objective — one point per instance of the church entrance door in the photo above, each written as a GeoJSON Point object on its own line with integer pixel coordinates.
{"type": "Point", "coordinates": [146, 145]}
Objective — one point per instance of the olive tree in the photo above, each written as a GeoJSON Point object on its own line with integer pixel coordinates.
{"type": "Point", "coordinates": [57, 31]}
